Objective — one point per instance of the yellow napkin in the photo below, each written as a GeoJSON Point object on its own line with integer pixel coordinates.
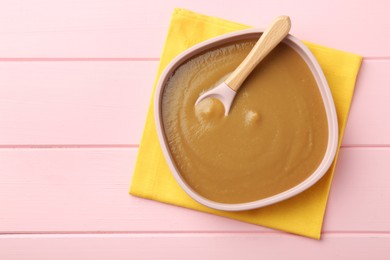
{"type": "Point", "coordinates": [302, 214]}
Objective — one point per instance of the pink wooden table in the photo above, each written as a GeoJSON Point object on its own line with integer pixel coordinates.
{"type": "Point", "coordinates": [75, 83]}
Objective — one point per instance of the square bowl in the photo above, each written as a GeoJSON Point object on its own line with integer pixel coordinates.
{"type": "Point", "coordinates": [250, 34]}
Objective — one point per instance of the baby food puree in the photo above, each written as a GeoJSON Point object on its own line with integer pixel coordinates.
{"type": "Point", "coordinates": [274, 137]}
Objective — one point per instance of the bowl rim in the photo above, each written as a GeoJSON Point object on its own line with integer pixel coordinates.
{"type": "Point", "coordinates": [326, 95]}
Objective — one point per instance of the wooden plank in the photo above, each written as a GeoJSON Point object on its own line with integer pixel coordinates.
{"type": "Point", "coordinates": [42, 28]}
{"type": "Point", "coordinates": [194, 246]}
{"type": "Point", "coordinates": [82, 190]}
{"type": "Point", "coordinates": [105, 103]}
{"type": "Point", "coordinates": [369, 119]}
{"type": "Point", "coordinates": [86, 190]}
{"type": "Point", "coordinates": [360, 193]}
{"type": "Point", "coordinates": [87, 103]}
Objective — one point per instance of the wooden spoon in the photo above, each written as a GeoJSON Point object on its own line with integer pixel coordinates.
{"type": "Point", "coordinates": [272, 36]}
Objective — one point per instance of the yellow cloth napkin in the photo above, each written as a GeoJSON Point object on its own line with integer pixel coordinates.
{"type": "Point", "coordinates": [302, 214]}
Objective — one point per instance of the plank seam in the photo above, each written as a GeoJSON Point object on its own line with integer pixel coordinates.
{"type": "Point", "coordinates": [26, 59]}
{"type": "Point", "coordinates": [192, 234]}
{"type": "Point", "coordinates": [75, 59]}
{"type": "Point", "coordinates": [88, 146]}
{"type": "Point", "coordinates": [360, 232]}
{"type": "Point", "coordinates": [69, 146]}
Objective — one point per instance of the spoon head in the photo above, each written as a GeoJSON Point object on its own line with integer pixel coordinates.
{"type": "Point", "coordinates": [223, 93]}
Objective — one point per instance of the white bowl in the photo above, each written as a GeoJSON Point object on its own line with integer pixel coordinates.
{"type": "Point", "coordinates": [322, 84]}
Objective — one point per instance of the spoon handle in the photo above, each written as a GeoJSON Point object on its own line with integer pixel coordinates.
{"type": "Point", "coordinates": [271, 37]}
